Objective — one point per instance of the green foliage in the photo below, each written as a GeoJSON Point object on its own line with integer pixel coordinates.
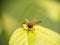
{"type": "Point", "coordinates": [15, 11]}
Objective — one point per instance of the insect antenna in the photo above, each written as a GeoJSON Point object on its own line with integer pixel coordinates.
{"type": "Point", "coordinates": [38, 22]}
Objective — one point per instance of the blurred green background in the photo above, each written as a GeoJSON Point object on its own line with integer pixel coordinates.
{"type": "Point", "coordinates": [13, 13]}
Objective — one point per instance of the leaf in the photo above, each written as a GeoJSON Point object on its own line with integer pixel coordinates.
{"type": "Point", "coordinates": [39, 36]}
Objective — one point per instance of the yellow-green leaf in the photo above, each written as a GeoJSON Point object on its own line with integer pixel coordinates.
{"type": "Point", "coordinates": [37, 36]}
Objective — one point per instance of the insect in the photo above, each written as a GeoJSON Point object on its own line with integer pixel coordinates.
{"type": "Point", "coordinates": [30, 24]}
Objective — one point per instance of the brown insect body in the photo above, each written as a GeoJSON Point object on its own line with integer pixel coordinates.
{"type": "Point", "coordinates": [29, 24]}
